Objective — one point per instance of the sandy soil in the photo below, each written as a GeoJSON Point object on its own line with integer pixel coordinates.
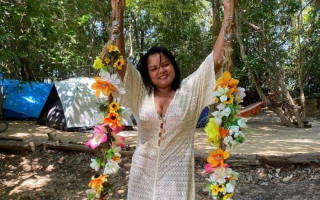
{"type": "Point", "coordinates": [48, 174]}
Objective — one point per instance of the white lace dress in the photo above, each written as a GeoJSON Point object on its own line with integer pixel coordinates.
{"type": "Point", "coordinates": [166, 172]}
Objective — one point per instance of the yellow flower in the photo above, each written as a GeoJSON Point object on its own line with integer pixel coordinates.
{"type": "Point", "coordinates": [226, 81]}
{"type": "Point", "coordinates": [112, 48]}
{"type": "Point", "coordinates": [107, 61]}
{"type": "Point", "coordinates": [230, 97]}
{"type": "Point", "coordinates": [216, 159]}
{"type": "Point", "coordinates": [228, 196]}
{"type": "Point", "coordinates": [114, 106]}
{"type": "Point", "coordinates": [103, 86]}
{"type": "Point", "coordinates": [217, 188]}
{"type": "Point", "coordinates": [97, 63]}
{"type": "Point", "coordinates": [119, 63]}
{"type": "Point", "coordinates": [96, 183]}
{"type": "Point", "coordinates": [212, 129]}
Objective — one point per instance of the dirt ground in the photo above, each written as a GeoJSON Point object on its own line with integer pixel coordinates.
{"type": "Point", "coordinates": [53, 175]}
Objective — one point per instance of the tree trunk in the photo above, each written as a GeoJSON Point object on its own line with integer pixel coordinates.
{"type": "Point", "coordinates": [25, 70]}
{"type": "Point", "coordinates": [136, 33]}
{"type": "Point", "coordinates": [142, 37]}
{"type": "Point", "coordinates": [216, 22]}
{"type": "Point", "coordinates": [302, 96]}
{"type": "Point", "coordinates": [130, 41]}
{"type": "Point", "coordinates": [268, 103]}
{"type": "Point", "coordinates": [277, 73]}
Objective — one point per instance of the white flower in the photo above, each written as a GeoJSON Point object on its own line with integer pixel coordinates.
{"type": "Point", "coordinates": [111, 78]}
{"type": "Point", "coordinates": [230, 187]}
{"type": "Point", "coordinates": [233, 130]}
{"type": "Point", "coordinates": [223, 98]}
{"type": "Point", "coordinates": [221, 91]}
{"type": "Point", "coordinates": [239, 133]}
{"type": "Point", "coordinates": [94, 164]}
{"type": "Point", "coordinates": [239, 94]}
{"type": "Point", "coordinates": [242, 122]}
{"type": "Point", "coordinates": [215, 113]}
{"type": "Point", "coordinates": [226, 112]}
{"type": "Point", "coordinates": [119, 156]}
{"type": "Point", "coordinates": [218, 120]}
{"type": "Point", "coordinates": [111, 167]}
{"type": "Point", "coordinates": [114, 80]}
{"type": "Point", "coordinates": [229, 141]}
{"type": "Point", "coordinates": [235, 176]}
{"type": "Point", "coordinates": [220, 174]}
{"type": "Point", "coordinates": [221, 106]}
{"type": "Point", "coordinates": [116, 149]}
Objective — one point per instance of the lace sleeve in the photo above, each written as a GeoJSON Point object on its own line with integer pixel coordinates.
{"type": "Point", "coordinates": [134, 87]}
{"type": "Point", "coordinates": [201, 83]}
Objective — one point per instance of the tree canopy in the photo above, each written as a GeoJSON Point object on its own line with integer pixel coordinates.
{"type": "Point", "coordinates": [60, 39]}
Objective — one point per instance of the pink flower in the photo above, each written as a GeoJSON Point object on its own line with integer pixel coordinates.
{"type": "Point", "coordinates": [116, 130]}
{"type": "Point", "coordinates": [118, 140]}
{"type": "Point", "coordinates": [98, 137]}
{"type": "Point", "coordinates": [208, 168]}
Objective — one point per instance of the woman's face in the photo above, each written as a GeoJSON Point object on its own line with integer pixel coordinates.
{"type": "Point", "coordinates": [161, 71]}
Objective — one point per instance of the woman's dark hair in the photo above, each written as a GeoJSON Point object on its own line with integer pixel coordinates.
{"type": "Point", "coordinates": [143, 68]}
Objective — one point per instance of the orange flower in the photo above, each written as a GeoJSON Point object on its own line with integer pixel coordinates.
{"type": "Point", "coordinates": [226, 81]}
{"type": "Point", "coordinates": [113, 120]}
{"type": "Point", "coordinates": [96, 183]}
{"type": "Point", "coordinates": [103, 86]}
{"type": "Point", "coordinates": [217, 158]}
{"type": "Point", "coordinates": [116, 159]}
{"type": "Point", "coordinates": [223, 132]}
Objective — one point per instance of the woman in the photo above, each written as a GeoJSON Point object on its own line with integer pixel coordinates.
{"type": "Point", "coordinates": [166, 110]}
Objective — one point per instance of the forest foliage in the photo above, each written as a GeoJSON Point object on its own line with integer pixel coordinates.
{"type": "Point", "coordinates": [59, 39]}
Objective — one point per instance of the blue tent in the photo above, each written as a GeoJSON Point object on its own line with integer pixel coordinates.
{"type": "Point", "coordinates": [24, 100]}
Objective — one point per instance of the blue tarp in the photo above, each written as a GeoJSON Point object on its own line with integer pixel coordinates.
{"type": "Point", "coordinates": [24, 100]}
{"type": "Point", "coordinates": [202, 122]}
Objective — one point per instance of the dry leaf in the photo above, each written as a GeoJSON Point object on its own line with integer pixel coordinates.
{"type": "Point", "coordinates": [288, 178]}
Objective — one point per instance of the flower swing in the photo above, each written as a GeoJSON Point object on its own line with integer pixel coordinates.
{"type": "Point", "coordinates": [104, 137]}
{"type": "Point", "coordinates": [225, 127]}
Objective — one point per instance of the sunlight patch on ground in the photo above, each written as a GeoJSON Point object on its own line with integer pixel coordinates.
{"type": "Point", "coordinates": [32, 183]}
{"type": "Point", "coordinates": [299, 141]}
{"type": "Point", "coordinates": [22, 135]}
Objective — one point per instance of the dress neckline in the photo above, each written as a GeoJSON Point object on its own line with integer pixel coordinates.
{"type": "Point", "coordinates": [168, 109]}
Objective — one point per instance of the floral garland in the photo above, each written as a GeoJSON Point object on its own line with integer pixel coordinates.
{"type": "Point", "coordinates": [104, 135]}
{"type": "Point", "coordinates": [224, 131]}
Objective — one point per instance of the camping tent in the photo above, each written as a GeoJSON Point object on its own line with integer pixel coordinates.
{"type": "Point", "coordinates": [24, 100]}
{"type": "Point", "coordinates": [78, 107]}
